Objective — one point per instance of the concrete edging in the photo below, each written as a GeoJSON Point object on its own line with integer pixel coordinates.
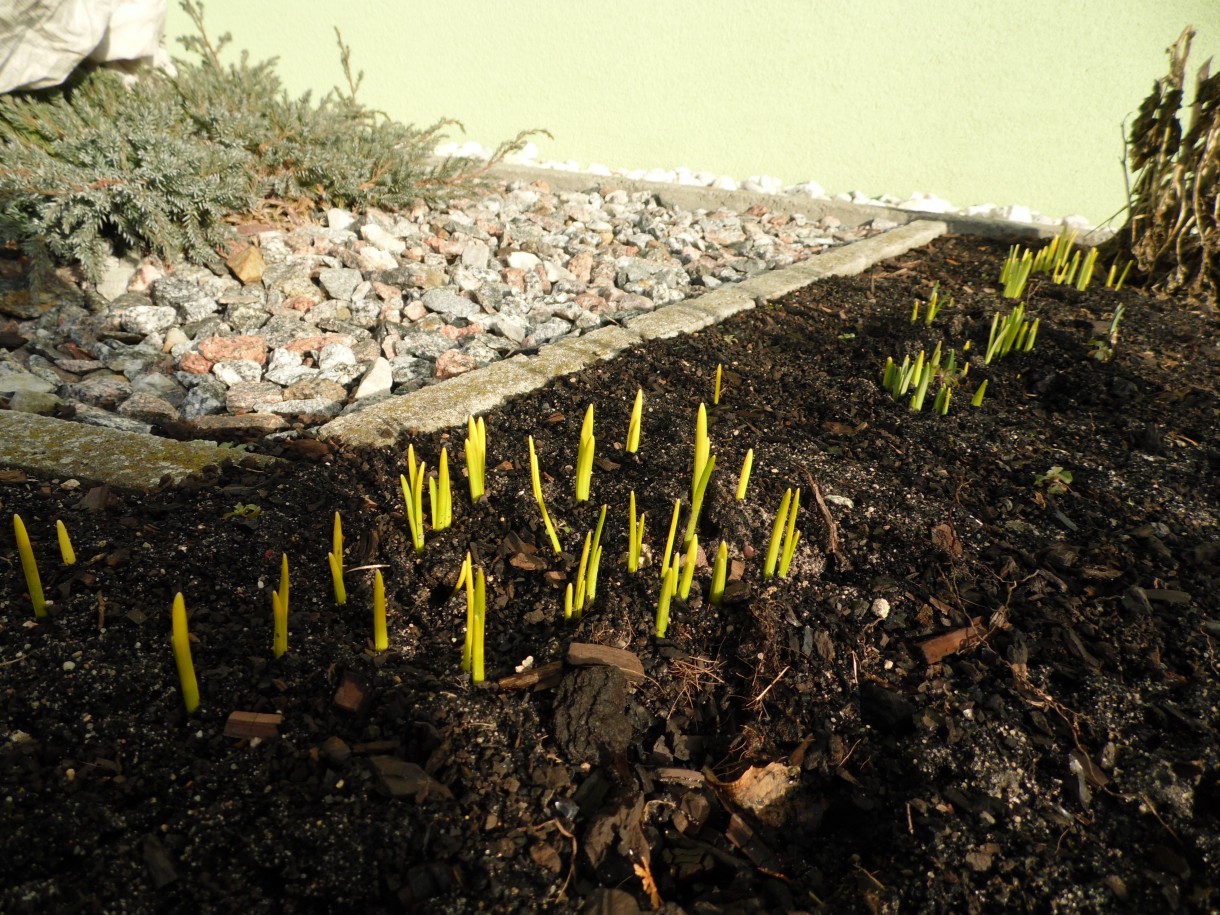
{"type": "Point", "coordinates": [448, 403]}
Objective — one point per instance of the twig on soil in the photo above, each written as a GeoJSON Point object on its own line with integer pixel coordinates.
{"type": "Point", "coordinates": [832, 526]}
{"type": "Point", "coordinates": [757, 700]}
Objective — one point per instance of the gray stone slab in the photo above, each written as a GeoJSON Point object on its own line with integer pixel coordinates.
{"type": "Point", "coordinates": [678, 318]}
{"type": "Point", "coordinates": [54, 448]}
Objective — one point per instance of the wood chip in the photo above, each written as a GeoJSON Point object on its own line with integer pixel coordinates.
{"type": "Point", "coordinates": [546, 676]}
{"type": "Point", "coordinates": [13, 476]}
{"type": "Point", "coordinates": [248, 725]}
{"type": "Point", "coordinates": [947, 643]}
{"type": "Point", "coordinates": [352, 694]}
{"type": "Point", "coordinates": [681, 776]}
{"type": "Point", "coordinates": [584, 654]}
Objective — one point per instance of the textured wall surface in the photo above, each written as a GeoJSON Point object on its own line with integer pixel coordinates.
{"type": "Point", "coordinates": [973, 102]}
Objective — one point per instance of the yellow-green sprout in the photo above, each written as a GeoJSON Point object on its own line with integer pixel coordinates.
{"type": "Point", "coordinates": [440, 495]}
{"type": "Point", "coordinates": [181, 641]}
{"type": "Point", "coordinates": [697, 503]}
{"type": "Point", "coordinates": [33, 582]}
{"type": "Point", "coordinates": [413, 495]}
{"type": "Point", "coordinates": [476, 456]}
{"type": "Point", "coordinates": [584, 458]}
{"type": "Point", "coordinates": [669, 541]}
{"type": "Point", "coordinates": [720, 568]}
{"type": "Point", "coordinates": [669, 587]}
{"type": "Point", "coordinates": [574, 596]}
{"type": "Point", "coordinates": [279, 612]}
{"type": "Point", "coordinates": [595, 556]}
{"type": "Point", "coordinates": [702, 448]}
{"type": "Point", "coordinates": [633, 426]}
{"type": "Point", "coordinates": [335, 558]}
{"type": "Point", "coordinates": [777, 533]}
{"type": "Point", "coordinates": [480, 625]}
{"type": "Point", "coordinates": [381, 641]}
{"type": "Point", "coordinates": [743, 479]}
{"type": "Point", "coordinates": [791, 536]}
{"type": "Point", "coordinates": [635, 535]}
{"type": "Point", "coordinates": [536, 480]}
{"type": "Point", "coordinates": [466, 577]}
{"type": "Point", "coordinates": [977, 399]}
{"type": "Point", "coordinates": [688, 568]}
{"type": "Point", "coordinates": [1086, 272]}
{"type": "Point", "coordinates": [65, 544]}
{"type": "Point", "coordinates": [716, 392]}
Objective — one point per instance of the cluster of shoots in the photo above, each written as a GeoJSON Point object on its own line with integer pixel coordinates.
{"type": "Point", "coordinates": [29, 566]}
{"type": "Point", "coordinates": [413, 495]}
{"type": "Point", "coordinates": [476, 456]}
{"type": "Point", "coordinates": [784, 536]}
{"type": "Point", "coordinates": [915, 378]}
{"type": "Point", "coordinates": [335, 558]}
{"type": "Point", "coordinates": [475, 583]}
{"type": "Point", "coordinates": [1013, 332]}
{"type": "Point", "coordinates": [584, 457]}
{"type": "Point", "coordinates": [635, 535]}
{"type": "Point", "coordinates": [1058, 259]}
{"type": "Point", "coordinates": [934, 305]}
{"type": "Point", "coordinates": [581, 594]}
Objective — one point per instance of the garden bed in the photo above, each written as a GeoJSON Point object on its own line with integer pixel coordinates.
{"type": "Point", "coordinates": [984, 683]}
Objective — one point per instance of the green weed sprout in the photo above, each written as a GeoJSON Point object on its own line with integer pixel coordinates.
{"type": "Point", "coordinates": [536, 480]}
{"type": "Point", "coordinates": [977, 399]}
{"type": "Point", "coordinates": [584, 457]}
{"type": "Point", "coordinates": [335, 558]}
{"type": "Point", "coordinates": [576, 599]}
{"type": "Point", "coordinates": [65, 544]}
{"type": "Point", "coordinates": [1110, 283]}
{"type": "Point", "coordinates": [380, 640]}
{"type": "Point", "coordinates": [696, 505]}
{"type": "Point", "coordinates": [1013, 332]}
{"type": "Point", "coordinates": [934, 306]}
{"type": "Point", "coordinates": [413, 495]}
{"type": "Point", "coordinates": [1104, 349]}
{"type": "Point", "coordinates": [791, 537]}
{"type": "Point", "coordinates": [1057, 480]}
{"type": "Point", "coordinates": [669, 541]}
{"type": "Point", "coordinates": [669, 587]}
{"type": "Point", "coordinates": [720, 569]}
{"type": "Point", "coordinates": [688, 568]}
{"type": "Point", "coordinates": [181, 640]}
{"type": "Point", "coordinates": [33, 582]}
{"type": "Point", "coordinates": [279, 612]}
{"type": "Point", "coordinates": [743, 479]}
{"type": "Point", "coordinates": [466, 578]}
{"type": "Point", "coordinates": [702, 448]}
{"type": "Point", "coordinates": [1015, 272]}
{"type": "Point", "coordinates": [480, 625]}
{"type": "Point", "coordinates": [716, 391]}
{"type": "Point", "coordinates": [778, 530]}
{"type": "Point", "coordinates": [635, 536]}
{"type": "Point", "coordinates": [440, 495]}
{"type": "Point", "coordinates": [633, 425]}
{"type": "Point", "coordinates": [476, 456]}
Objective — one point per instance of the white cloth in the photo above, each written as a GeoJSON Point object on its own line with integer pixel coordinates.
{"type": "Point", "coordinates": [43, 41]}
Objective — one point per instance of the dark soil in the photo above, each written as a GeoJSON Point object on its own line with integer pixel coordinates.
{"type": "Point", "coordinates": [994, 693]}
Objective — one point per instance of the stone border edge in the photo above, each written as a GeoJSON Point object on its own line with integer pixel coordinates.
{"type": "Point", "coordinates": [447, 404]}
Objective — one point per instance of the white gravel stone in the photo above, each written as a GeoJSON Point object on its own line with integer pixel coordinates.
{"type": "Point", "coordinates": [234, 371]}
{"type": "Point", "coordinates": [376, 235]}
{"type": "Point", "coordinates": [378, 380]}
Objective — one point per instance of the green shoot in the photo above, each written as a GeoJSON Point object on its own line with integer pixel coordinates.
{"type": "Point", "coordinates": [977, 399]}
{"type": "Point", "coordinates": [1013, 332]}
{"type": "Point", "coordinates": [335, 558]}
{"type": "Point", "coordinates": [941, 404]}
{"type": "Point", "coordinates": [380, 640]}
{"type": "Point", "coordinates": [574, 600]}
{"type": "Point", "coordinates": [413, 495]}
{"type": "Point", "coordinates": [743, 479]}
{"type": "Point", "coordinates": [688, 568]}
{"type": "Point", "coordinates": [595, 557]}
{"type": "Point", "coordinates": [720, 568]}
{"type": "Point", "coordinates": [584, 459]}
{"type": "Point", "coordinates": [925, 378]}
{"type": "Point", "coordinates": [466, 577]}
{"type": "Point", "coordinates": [777, 533]}
{"type": "Point", "coordinates": [934, 306]}
{"type": "Point", "coordinates": [716, 392]}
{"type": "Point", "coordinates": [669, 541]}
{"type": "Point", "coordinates": [1057, 480]}
{"type": "Point", "coordinates": [635, 536]}
{"type": "Point", "coordinates": [33, 582]}
{"type": "Point", "coordinates": [65, 544]}
{"type": "Point", "coordinates": [480, 624]}
{"type": "Point", "coordinates": [1016, 271]}
{"type": "Point", "coordinates": [669, 587]}
{"type": "Point", "coordinates": [536, 479]}
{"type": "Point", "coordinates": [476, 456]}
{"type": "Point", "coordinates": [181, 640]}
{"type": "Point", "coordinates": [702, 448]}
{"type": "Point", "coordinates": [791, 537]}
{"type": "Point", "coordinates": [633, 426]}
{"type": "Point", "coordinates": [1110, 283]}
{"type": "Point", "coordinates": [440, 495]}
{"type": "Point", "coordinates": [697, 503]}
{"type": "Point", "coordinates": [1086, 271]}
{"type": "Point", "coordinates": [279, 611]}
